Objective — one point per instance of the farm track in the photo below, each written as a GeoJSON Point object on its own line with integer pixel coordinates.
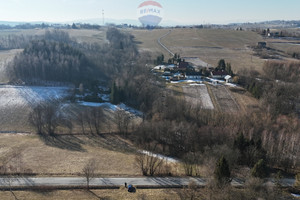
{"type": "Point", "coordinates": [162, 45]}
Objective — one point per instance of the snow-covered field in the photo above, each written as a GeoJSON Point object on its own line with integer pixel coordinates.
{"type": "Point", "coordinates": [17, 101]}
{"type": "Point", "coordinates": [12, 96]}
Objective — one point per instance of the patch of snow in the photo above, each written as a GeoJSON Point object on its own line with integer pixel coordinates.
{"type": "Point", "coordinates": [187, 81]}
{"type": "Point", "coordinates": [205, 98]}
{"type": "Point", "coordinates": [104, 97]}
{"type": "Point", "coordinates": [295, 195]}
{"type": "Point", "coordinates": [11, 96]}
{"type": "Point", "coordinates": [94, 104]}
{"type": "Point", "coordinates": [190, 81]}
{"type": "Point", "coordinates": [231, 84]}
{"type": "Point", "coordinates": [196, 84]}
{"type": "Point", "coordinates": [129, 109]}
{"type": "Point", "coordinates": [159, 67]}
{"type": "Point", "coordinates": [166, 158]}
{"type": "Point", "coordinates": [112, 107]}
{"type": "Point", "coordinates": [216, 80]}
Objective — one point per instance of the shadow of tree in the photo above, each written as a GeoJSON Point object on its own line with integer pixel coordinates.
{"type": "Point", "coordinates": [111, 142]}
{"type": "Point", "coordinates": [67, 142]}
{"type": "Point", "coordinates": [95, 195]}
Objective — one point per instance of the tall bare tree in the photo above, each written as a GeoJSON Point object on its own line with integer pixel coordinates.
{"type": "Point", "coordinates": [122, 119]}
{"type": "Point", "coordinates": [89, 171]}
{"type": "Point", "coordinates": [149, 164]}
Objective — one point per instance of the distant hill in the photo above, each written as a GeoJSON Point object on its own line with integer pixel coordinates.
{"type": "Point", "coordinates": [8, 23]}
{"type": "Point", "coordinates": [135, 22]}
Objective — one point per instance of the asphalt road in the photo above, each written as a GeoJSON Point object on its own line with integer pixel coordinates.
{"type": "Point", "coordinates": [144, 181]}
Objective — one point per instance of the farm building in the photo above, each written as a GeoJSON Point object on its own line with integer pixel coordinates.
{"type": "Point", "coordinates": [183, 66]}
{"type": "Point", "coordinates": [219, 74]}
{"type": "Point", "coordinates": [228, 79]}
{"type": "Point", "coordinates": [193, 75]}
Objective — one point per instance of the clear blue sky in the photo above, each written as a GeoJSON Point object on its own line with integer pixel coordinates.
{"type": "Point", "coordinates": [185, 11]}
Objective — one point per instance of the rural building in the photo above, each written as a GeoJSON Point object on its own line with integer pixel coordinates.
{"type": "Point", "coordinates": [228, 79]}
{"type": "Point", "coordinates": [183, 66]}
{"type": "Point", "coordinates": [178, 76]}
{"type": "Point", "coordinates": [167, 73]}
{"type": "Point", "coordinates": [219, 74]}
{"type": "Point", "coordinates": [193, 75]}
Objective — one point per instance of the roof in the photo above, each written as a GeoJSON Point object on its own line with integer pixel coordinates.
{"type": "Point", "coordinates": [219, 73]}
{"type": "Point", "coordinates": [228, 77]}
{"type": "Point", "coordinates": [193, 74]}
{"type": "Point", "coordinates": [150, 3]}
{"type": "Point", "coordinates": [183, 65]}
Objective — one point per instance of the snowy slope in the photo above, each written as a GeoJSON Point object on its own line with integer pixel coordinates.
{"type": "Point", "coordinates": [12, 96]}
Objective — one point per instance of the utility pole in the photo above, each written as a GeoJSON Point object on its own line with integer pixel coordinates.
{"type": "Point", "coordinates": [103, 17]}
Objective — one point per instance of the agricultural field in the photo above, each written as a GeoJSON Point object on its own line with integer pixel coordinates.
{"type": "Point", "coordinates": [16, 102]}
{"type": "Point", "coordinates": [224, 100]}
{"type": "Point", "coordinates": [116, 194]}
{"type": "Point", "coordinates": [80, 35]}
{"type": "Point", "coordinates": [210, 45]}
{"type": "Point", "coordinates": [147, 41]}
{"type": "Point", "coordinates": [197, 95]}
{"type": "Point", "coordinates": [67, 155]}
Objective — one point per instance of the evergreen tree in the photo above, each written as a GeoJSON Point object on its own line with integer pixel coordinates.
{"type": "Point", "coordinates": [260, 169]}
{"type": "Point", "coordinates": [222, 172]}
{"type": "Point", "coordinates": [114, 95]}
{"type": "Point", "coordinates": [228, 69]}
{"type": "Point", "coordinates": [221, 65]}
{"type": "Point", "coordinates": [241, 143]}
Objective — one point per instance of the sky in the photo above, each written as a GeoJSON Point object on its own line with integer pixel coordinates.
{"type": "Point", "coordinates": [181, 11]}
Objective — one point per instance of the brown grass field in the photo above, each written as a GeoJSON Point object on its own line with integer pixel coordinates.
{"type": "Point", "coordinates": [149, 194]}
{"type": "Point", "coordinates": [210, 45]}
{"type": "Point", "coordinates": [116, 194]}
{"type": "Point", "coordinates": [67, 155]}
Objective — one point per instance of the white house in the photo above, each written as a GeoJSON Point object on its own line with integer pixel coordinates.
{"type": "Point", "coordinates": [228, 79]}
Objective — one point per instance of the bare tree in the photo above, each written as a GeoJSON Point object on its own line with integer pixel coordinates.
{"type": "Point", "coordinates": [122, 119]}
{"type": "Point", "coordinates": [51, 118]}
{"type": "Point", "coordinates": [36, 118]}
{"type": "Point", "coordinates": [149, 164]}
{"type": "Point", "coordinates": [80, 119]}
{"type": "Point", "coordinates": [89, 171]}
{"type": "Point", "coordinates": [45, 118]}
{"type": "Point", "coordinates": [97, 118]}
